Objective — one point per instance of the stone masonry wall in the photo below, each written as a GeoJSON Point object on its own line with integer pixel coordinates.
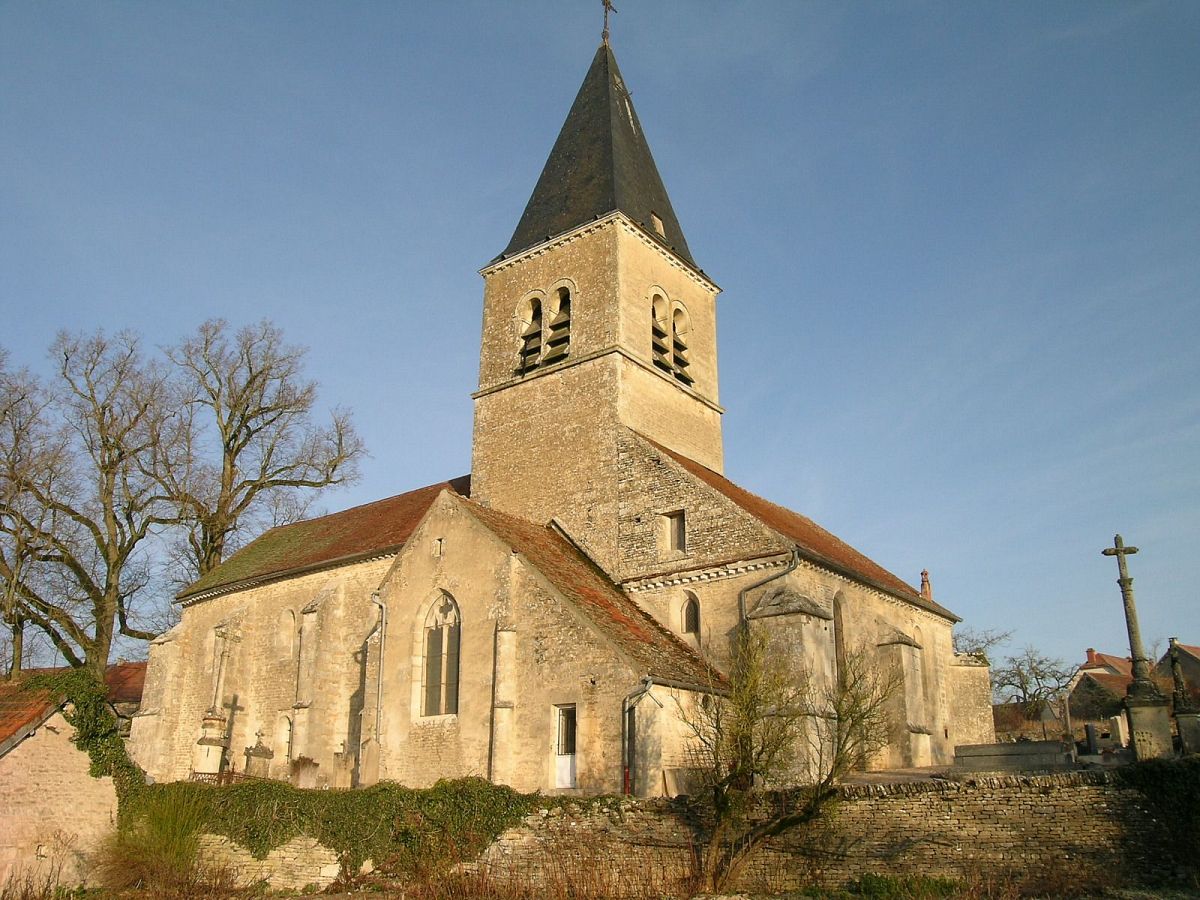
{"type": "Point", "coordinates": [1082, 827]}
{"type": "Point", "coordinates": [52, 812]}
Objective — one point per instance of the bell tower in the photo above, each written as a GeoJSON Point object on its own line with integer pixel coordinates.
{"type": "Point", "coordinates": [595, 319]}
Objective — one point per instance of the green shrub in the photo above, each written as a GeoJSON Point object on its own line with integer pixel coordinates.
{"type": "Point", "coordinates": [902, 887]}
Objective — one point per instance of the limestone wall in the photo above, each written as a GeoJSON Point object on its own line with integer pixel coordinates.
{"type": "Point", "coordinates": [1071, 829]}
{"type": "Point", "coordinates": [303, 862]}
{"type": "Point", "coordinates": [53, 813]}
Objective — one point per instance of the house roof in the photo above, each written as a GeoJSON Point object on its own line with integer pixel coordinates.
{"type": "Point", "coordinates": [23, 708]}
{"type": "Point", "coordinates": [600, 163]}
{"type": "Point", "coordinates": [1112, 684]}
{"type": "Point", "coordinates": [812, 541]}
{"type": "Point", "coordinates": [651, 646]}
{"type": "Point", "coordinates": [1121, 664]}
{"type": "Point", "coordinates": [379, 527]}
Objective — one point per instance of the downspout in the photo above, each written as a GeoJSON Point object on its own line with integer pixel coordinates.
{"type": "Point", "coordinates": [379, 675]}
{"type": "Point", "coordinates": [492, 724]}
{"type": "Point", "coordinates": [791, 567]}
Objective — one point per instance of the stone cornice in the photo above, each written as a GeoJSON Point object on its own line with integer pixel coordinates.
{"type": "Point", "coordinates": [630, 226]}
{"type": "Point", "coordinates": [246, 584]}
{"type": "Point", "coordinates": [701, 575]}
{"type": "Point", "coordinates": [587, 357]}
{"type": "Point", "coordinates": [741, 567]}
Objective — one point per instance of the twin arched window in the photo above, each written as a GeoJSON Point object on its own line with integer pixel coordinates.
{"type": "Point", "coordinates": [668, 339]}
{"type": "Point", "coordinates": [439, 674]}
{"type": "Point", "coordinates": [545, 343]}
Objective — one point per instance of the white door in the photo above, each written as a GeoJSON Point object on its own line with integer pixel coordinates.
{"type": "Point", "coordinates": [564, 750]}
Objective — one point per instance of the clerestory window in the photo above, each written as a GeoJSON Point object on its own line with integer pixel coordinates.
{"type": "Point", "coordinates": [439, 685]}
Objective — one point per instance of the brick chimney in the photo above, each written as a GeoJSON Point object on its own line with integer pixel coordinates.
{"type": "Point", "coordinates": [926, 587]}
{"type": "Point", "coordinates": [1091, 651]}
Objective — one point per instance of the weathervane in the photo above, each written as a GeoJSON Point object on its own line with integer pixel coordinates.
{"type": "Point", "coordinates": [608, 7]}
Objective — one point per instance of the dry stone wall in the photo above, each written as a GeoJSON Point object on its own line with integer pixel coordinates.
{"type": "Point", "coordinates": [1083, 827]}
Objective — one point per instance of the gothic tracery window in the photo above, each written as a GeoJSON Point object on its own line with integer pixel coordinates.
{"type": "Point", "coordinates": [439, 688]}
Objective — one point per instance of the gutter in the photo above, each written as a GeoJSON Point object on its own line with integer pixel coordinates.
{"type": "Point", "coordinates": [791, 567]}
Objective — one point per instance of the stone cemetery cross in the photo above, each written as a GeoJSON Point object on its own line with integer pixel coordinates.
{"type": "Point", "coordinates": [1141, 663]}
{"type": "Point", "coordinates": [1144, 704]}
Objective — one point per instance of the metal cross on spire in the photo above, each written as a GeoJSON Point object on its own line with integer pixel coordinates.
{"type": "Point", "coordinates": [608, 7]}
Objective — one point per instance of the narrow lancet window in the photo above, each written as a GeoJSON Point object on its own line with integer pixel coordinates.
{"type": "Point", "coordinates": [440, 675]}
{"type": "Point", "coordinates": [691, 616]}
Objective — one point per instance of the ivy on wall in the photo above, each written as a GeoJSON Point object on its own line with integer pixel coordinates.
{"type": "Point", "coordinates": [404, 829]}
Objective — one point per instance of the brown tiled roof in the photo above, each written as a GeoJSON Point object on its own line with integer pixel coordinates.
{"type": "Point", "coordinates": [812, 541]}
{"type": "Point", "coordinates": [25, 708]}
{"type": "Point", "coordinates": [1112, 684]}
{"type": "Point", "coordinates": [21, 709]}
{"type": "Point", "coordinates": [1122, 664]}
{"type": "Point", "coordinates": [379, 527]}
{"type": "Point", "coordinates": [651, 646]}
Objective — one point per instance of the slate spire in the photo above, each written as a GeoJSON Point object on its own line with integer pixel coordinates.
{"type": "Point", "coordinates": [600, 163]}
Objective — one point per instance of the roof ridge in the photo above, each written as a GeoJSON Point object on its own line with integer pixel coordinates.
{"type": "Point", "coordinates": [369, 503]}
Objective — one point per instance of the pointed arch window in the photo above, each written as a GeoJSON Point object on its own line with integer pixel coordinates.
{"type": "Point", "coordinates": [530, 355]}
{"type": "Point", "coordinates": [439, 677]}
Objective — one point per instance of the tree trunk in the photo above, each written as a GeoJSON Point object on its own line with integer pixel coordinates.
{"type": "Point", "coordinates": [18, 646]}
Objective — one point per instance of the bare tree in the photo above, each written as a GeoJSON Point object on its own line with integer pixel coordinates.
{"type": "Point", "coordinates": [1032, 679]}
{"type": "Point", "coordinates": [253, 455]}
{"type": "Point", "coordinates": [78, 493]}
{"type": "Point", "coordinates": [979, 642]}
{"type": "Point", "coordinates": [773, 725]}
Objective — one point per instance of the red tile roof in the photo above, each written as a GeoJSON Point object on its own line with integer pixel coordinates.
{"type": "Point", "coordinates": [21, 710]}
{"type": "Point", "coordinates": [1122, 664]}
{"type": "Point", "coordinates": [1113, 684]}
{"type": "Point", "coordinates": [379, 527]}
{"type": "Point", "coordinates": [25, 708]}
{"type": "Point", "coordinates": [812, 541]}
{"type": "Point", "coordinates": [652, 647]}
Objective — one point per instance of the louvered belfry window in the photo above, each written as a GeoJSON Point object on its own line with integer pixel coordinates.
{"type": "Point", "coordinates": [440, 672]}
{"type": "Point", "coordinates": [558, 340]}
{"type": "Point", "coordinates": [531, 340]}
{"type": "Point", "coordinates": [660, 337]}
{"type": "Point", "coordinates": [679, 350]}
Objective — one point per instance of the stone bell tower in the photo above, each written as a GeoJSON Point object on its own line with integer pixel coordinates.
{"type": "Point", "coordinates": [595, 319]}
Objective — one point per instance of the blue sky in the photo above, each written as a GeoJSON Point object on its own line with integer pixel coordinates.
{"type": "Point", "coordinates": [958, 245]}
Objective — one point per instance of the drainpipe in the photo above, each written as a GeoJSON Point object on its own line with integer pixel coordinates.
{"type": "Point", "coordinates": [791, 567]}
{"type": "Point", "coordinates": [379, 675]}
{"type": "Point", "coordinates": [491, 765]}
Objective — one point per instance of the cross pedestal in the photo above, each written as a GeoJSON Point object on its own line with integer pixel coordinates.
{"type": "Point", "coordinates": [1146, 707]}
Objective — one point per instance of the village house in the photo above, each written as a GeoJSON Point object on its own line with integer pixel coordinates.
{"type": "Point", "coordinates": [541, 621]}
{"type": "Point", "coordinates": [52, 811]}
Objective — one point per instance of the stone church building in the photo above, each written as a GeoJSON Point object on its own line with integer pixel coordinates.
{"type": "Point", "coordinates": [539, 622]}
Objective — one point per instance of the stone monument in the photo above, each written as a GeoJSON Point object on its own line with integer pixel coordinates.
{"type": "Point", "coordinates": [1149, 722]}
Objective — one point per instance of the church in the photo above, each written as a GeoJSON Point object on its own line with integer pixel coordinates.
{"type": "Point", "coordinates": [541, 621]}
